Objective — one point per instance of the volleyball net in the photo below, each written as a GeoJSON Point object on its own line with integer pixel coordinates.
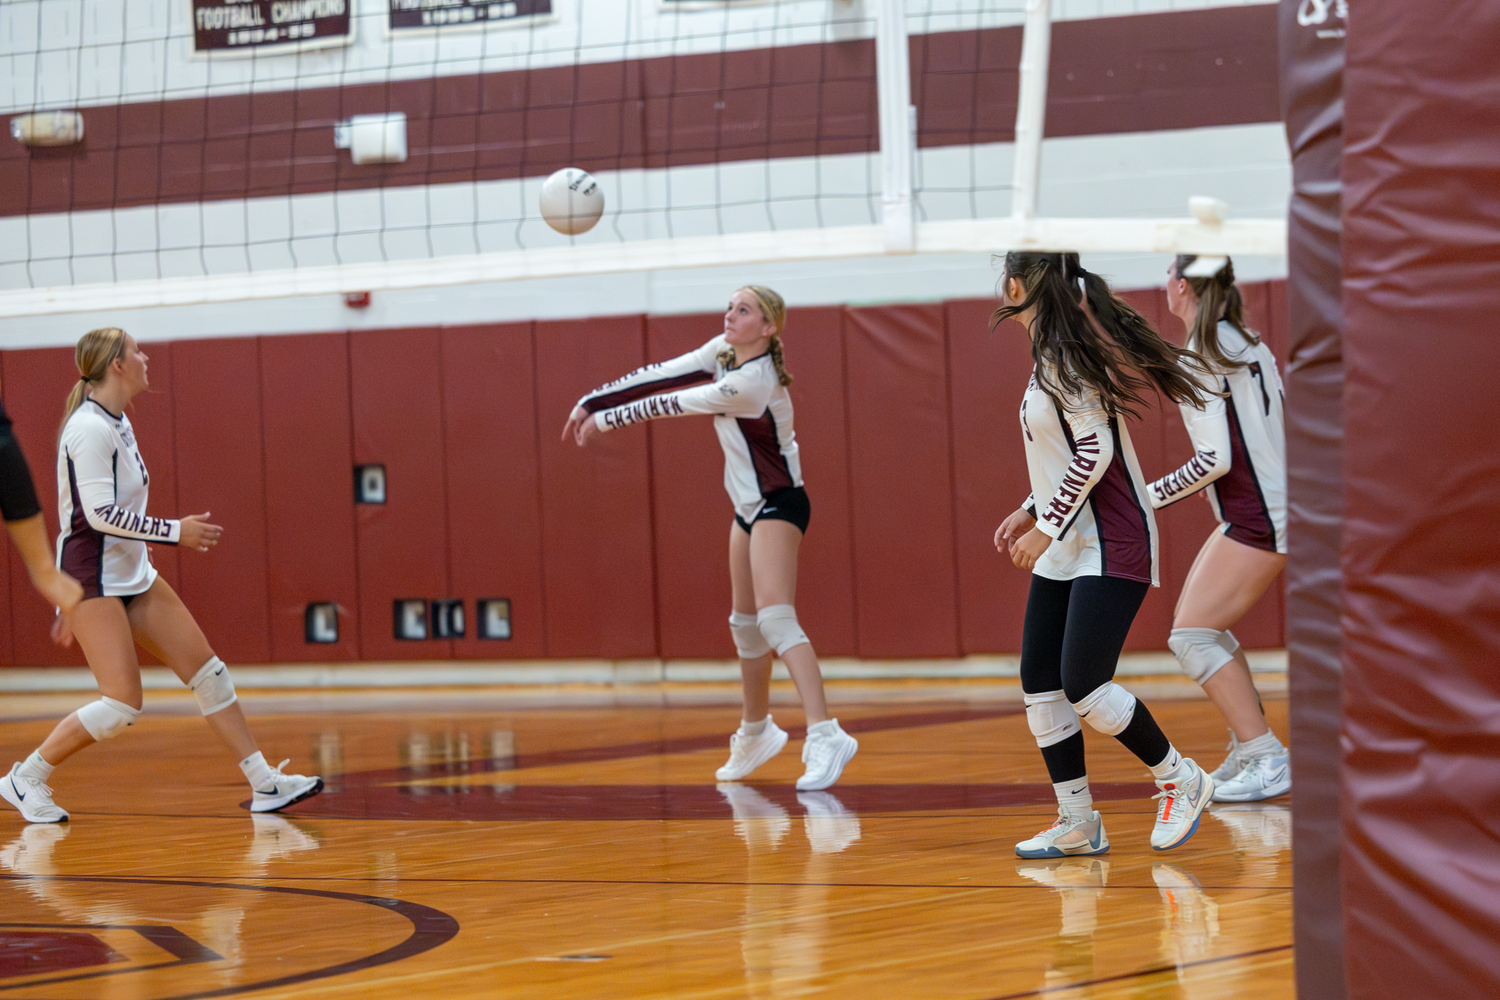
{"type": "Point", "coordinates": [236, 151]}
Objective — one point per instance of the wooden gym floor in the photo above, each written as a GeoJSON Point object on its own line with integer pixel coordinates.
{"type": "Point", "coordinates": [471, 844]}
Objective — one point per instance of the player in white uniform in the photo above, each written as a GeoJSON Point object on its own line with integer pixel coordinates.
{"type": "Point", "coordinates": [102, 491]}
{"type": "Point", "coordinates": [1088, 537]}
{"type": "Point", "coordinates": [739, 378]}
{"type": "Point", "coordinates": [1239, 463]}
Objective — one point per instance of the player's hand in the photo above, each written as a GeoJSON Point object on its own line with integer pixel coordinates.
{"type": "Point", "coordinates": [58, 588]}
{"type": "Point", "coordinates": [198, 534]}
{"type": "Point", "coordinates": [62, 630]}
{"type": "Point", "coordinates": [1011, 529]}
{"type": "Point", "coordinates": [1029, 548]}
{"type": "Point", "coordinates": [577, 418]}
{"type": "Point", "coordinates": [587, 430]}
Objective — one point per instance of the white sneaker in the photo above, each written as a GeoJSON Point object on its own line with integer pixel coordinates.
{"type": "Point", "coordinates": [1070, 835]}
{"type": "Point", "coordinates": [830, 828]}
{"type": "Point", "coordinates": [1262, 778]}
{"type": "Point", "coordinates": [825, 754]}
{"type": "Point", "coordinates": [33, 798]}
{"type": "Point", "coordinates": [1233, 764]}
{"type": "Point", "coordinates": [746, 753]}
{"type": "Point", "coordinates": [285, 790]}
{"type": "Point", "coordinates": [758, 821]}
{"type": "Point", "coordinates": [1182, 803]}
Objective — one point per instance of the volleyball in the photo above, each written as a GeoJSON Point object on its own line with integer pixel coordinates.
{"type": "Point", "coordinates": [572, 201]}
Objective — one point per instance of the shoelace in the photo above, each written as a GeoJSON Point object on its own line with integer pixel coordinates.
{"type": "Point", "coordinates": [1167, 795]}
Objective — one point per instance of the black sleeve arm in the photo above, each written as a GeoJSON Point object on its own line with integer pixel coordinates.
{"type": "Point", "coordinates": [17, 494]}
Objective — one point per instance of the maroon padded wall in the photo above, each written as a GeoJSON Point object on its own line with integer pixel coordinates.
{"type": "Point", "coordinates": [494, 506]}
{"type": "Point", "coordinates": [396, 388]}
{"type": "Point", "coordinates": [220, 470]}
{"type": "Point", "coordinates": [309, 499]}
{"type": "Point", "coordinates": [900, 481]}
{"type": "Point", "coordinates": [692, 513]}
{"type": "Point", "coordinates": [825, 577]}
{"type": "Point", "coordinates": [987, 372]}
{"type": "Point", "coordinates": [1421, 556]}
{"type": "Point", "coordinates": [597, 554]}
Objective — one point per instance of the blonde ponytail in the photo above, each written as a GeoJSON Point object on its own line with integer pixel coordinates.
{"type": "Point", "coordinates": [97, 350]}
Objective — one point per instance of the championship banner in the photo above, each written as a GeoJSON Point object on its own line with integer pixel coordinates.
{"type": "Point", "coordinates": [247, 25]}
{"type": "Point", "coordinates": [449, 13]}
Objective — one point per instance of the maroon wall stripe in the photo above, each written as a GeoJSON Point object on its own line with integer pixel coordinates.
{"type": "Point", "coordinates": [1108, 75]}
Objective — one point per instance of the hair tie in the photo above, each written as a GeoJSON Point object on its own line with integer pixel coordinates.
{"type": "Point", "coordinates": [84, 378]}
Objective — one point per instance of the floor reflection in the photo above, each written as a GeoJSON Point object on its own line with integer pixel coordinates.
{"type": "Point", "coordinates": [783, 937]}
{"type": "Point", "coordinates": [1080, 884]}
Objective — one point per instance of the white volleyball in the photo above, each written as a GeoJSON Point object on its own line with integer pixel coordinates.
{"type": "Point", "coordinates": [572, 201]}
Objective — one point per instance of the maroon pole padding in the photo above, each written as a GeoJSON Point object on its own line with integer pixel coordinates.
{"type": "Point", "coordinates": [987, 371]}
{"type": "Point", "coordinates": [1421, 555]}
{"type": "Point", "coordinates": [217, 430]}
{"type": "Point", "coordinates": [900, 475]}
{"type": "Point", "coordinates": [308, 441]}
{"type": "Point", "coordinates": [494, 507]}
{"type": "Point", "coordinates": [597, 558]}
{"type": "Point", "coordinates": [1312, 54]}
{"type": "Point", "coordinates": [691, 510]}
{"type": "Point", "coordinates": [395, 380]}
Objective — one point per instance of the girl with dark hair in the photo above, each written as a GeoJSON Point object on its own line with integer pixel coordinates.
{"type": "Point", "coordinates": [1239, 463]}
{"type": "Point", "coordinates": [102, 488]}
{"type": "Point", "coordinates": [1087, 535]}
{"type": "Point", "coordinates": [740, 378]}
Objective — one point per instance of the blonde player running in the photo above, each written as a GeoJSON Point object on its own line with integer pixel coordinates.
{"type": "Point", "coordinates": [102, 492]}
{"type": "Point", "coordinates": [740, 379]}
{"type": "Point", "coordinates": [1239, 463]}
{"type": "Point", "coordinates": [1089, 540]}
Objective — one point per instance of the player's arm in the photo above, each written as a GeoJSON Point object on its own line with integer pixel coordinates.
{"type": "Point", "coordinates": [24, 521]}
{"type": "Point", "coordinates": [737, 394]}
{"type": "Point", "coordinates": [1093, 450]}
{"type": "Point", "coordinates": [93, 472]}
{"type": "Point", "coordinates": [1208, 429]}
{"type": "Point", "coordinates": [693, 368]}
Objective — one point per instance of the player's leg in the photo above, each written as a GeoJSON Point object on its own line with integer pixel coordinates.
{"type": "Point", "coordinates": [162, 625]}
{"type": "Point", "coordinates": [1100, 614]}
{"type": "Point", "coordinates": [1055, 726]}
{"type": "Point", "coordinates": [1226, 581]}
{"type": "Point", "coordinates": [102, 631]}
{"type": "Point", "coordinates": [774, 547]}
{"type": "Point", "coordinates": [758, 738]}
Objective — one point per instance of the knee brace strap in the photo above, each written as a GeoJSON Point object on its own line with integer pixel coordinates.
{"type": "Point", "coordinates": [1202, 651]}
{"type": "Point", "coordinates": [778, 623]}
{"type": "Point", "coordinates": [748, 641]}
{"type": "Point", "coordinates": [212, 687]}
{"type": "Point", "coordinates": [1108, 708]}
{"type": "Point", "coordinates": [1051, 718]}
{"type": "Point", "coordinates": [106, 717]}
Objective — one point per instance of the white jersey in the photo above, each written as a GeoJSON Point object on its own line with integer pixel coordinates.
{"type": "Point", "coordinates": [101, 499]}
{"type": "Point", "coordinates": [1239, 446]}
{"type": "Point", "coordinates": [752, 413]}
{"type": "Point", "coordinates": [1087, 491]}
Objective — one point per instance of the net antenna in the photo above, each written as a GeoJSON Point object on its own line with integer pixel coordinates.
{"type": "Point", "coordinates": [891, 207]}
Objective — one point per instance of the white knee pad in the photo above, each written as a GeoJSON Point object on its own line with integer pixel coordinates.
{"type": "Point", "coordinates": [1051, 718]}
{"type": "Point", "coordinates": [747, 638]}
{"type": "Point", "coordinates": [778, 623]}
{"type": "Point", "coordinates": [1108, 708]}
{"type": "Point", "coordinates": [106, 717]}
{"type": "Point", "coordinates": [212, 687]}
{"type": "Point", "coordinates": [1202, 651]}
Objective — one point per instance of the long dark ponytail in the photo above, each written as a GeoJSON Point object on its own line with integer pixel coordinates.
{"type": "Point", "coordinates": [1121, 363]}
{"type": "Point", "coordinates": [1218, 299]}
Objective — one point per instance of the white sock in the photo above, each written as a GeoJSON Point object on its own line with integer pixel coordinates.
{"type": "Point", "coordinates": [827, 727]}
{"type": "Point", "coordinates": [258, 772]}
{"type": "Point", "coordinates": [1167, 769]}
{"type": "Point", "coordinates": [35, 767]}
{"type": "Point", "coordinates": [1074, 797]}
{"type": "Point", "coordinates": [1262, 746]}
{"type": "Point", "coordinates": [753, 728]}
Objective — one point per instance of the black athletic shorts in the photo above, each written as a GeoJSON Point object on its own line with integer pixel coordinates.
{"type": "Point", "coordinates": [789, 504]}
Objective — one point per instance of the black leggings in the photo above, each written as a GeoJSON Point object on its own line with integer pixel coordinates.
{"type": "Point", "coordinates": [1074, 632]}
